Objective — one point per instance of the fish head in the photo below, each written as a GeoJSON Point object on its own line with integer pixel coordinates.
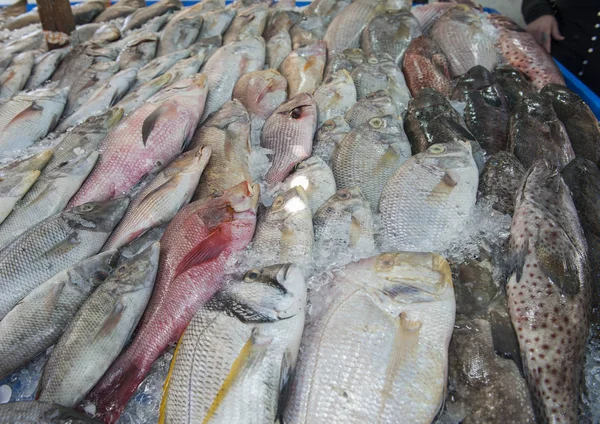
{"type": "Point", "coordinates": [100, 216]}
{"type": "Point", "coordinates": [428, 98]}
{"type": "Point", "coordinates": [379, 100]}
{"type": "Point", "coordinates": [137, 272]}
{"type": "Point", "coordinates": [105, 121]}
{"type": "Point", "coordinates": [344, 201]}
{"type": "Point", "coordinates": [538, 106]}
{"type": "Point", "coordinates": [477, 78]}
{"type": "Point", "coordinates": [95, 270]}
{"type": "Point", "coordinates": [192, 161]}
{"type": "Point", "coordinates": [289, 204]}
{"type": "Point", "coordinates": [388, 128]}
{"type": "Point", "coordinates": [243, 198]}
{"type": "Point", "coordinates": [300, 110]}
{"type": "Point", "coordinates": [355, 56]}
{"type": "Point", "coordinates": [335, 125]}
{"type": "Point", "coordinates": [107, 33]}
{"type": "Point", "coordinates": [560, 93]}
{"type": "Point", "coordinates": [457, 154]}
{"type": "Point", "coordinates": [194, 87]}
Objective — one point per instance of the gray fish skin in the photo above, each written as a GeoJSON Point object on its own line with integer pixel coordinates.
{"type": "Point", "coordinates": [180, 32]}
{"type": "Point", "coordinates": [536, 133]}
{"type": "Point", "coordinates": [33, 41]}
{"type": "Point", "coordinates": [316, 178]}
{"type": "Point", "coordinates": [331, 133]}
{"type": "Point", "coordinates": [35, 162]}
{"type": "Point", "coordinates": [143, 242]}
{"type": "Point", "coordinates": [15, 77]}
{"type": "Point", "coordinates": [216, 22]}
{"type": "Point", "coordinates": [579, 121]}
{"type": "Point", "coordinates": [83, 33]}
{"type": "Point", "coordinates": [85, 12]}
{"type": "Point", "coordinates": [53, 245]}
{"type": "Point", "coordinates": [189, 67]}
{"type": "Point", "coordinates": [265, 305]}
{"type": "Point", "coordinates": [278, 21]}
{"type": "Point", "coordinates": [138, 52]}
{"type": "Point", "coordinates": [39, 319]}
{"type": "Point", "coordinates": [99, 330]}
{"type": "Point", "coordinates": [500, 181]}
{"type": "Point", "coordinates": [78, 60]}
{"type": "Point", "coordinates": [348, 59]}
{"type": "Point", "coordinates": [143, 15]}
{"type": "Point", "coordinates": [45, 65]}
{"type": "Point", "coordinates": [369, 155]}
{"type": "Point", "coordinates": [335, 96]}
{"type": "Point", "coordinates": [225, 67]}
{"type": "Point", "coordinates": [308, 31]}
{"type": "Point", "coordinates": [279, 46]}
{"type": "Point", "coordinates": [159, 66]}
{"type": "Point", "coordinates": [378, 103]}
{"type": "Point", "coordinates": [138, 96]}
{"type": "Point", "coordinates": [390, 33]}
{"type": "Point", "coordinates": [382, 73]}
{"type": "Point", "coordinates": [13, 188]}
{"type": "Point", "coordinates": [114, 12]}
{"type": "Point", "coordinates": [514, 84]}
{"type": "Point", "coordinates": [431, 195]}
{"type": "Point", "coordinates": [549, 292]}
{"type": "Point", "coordinates": [41, 412]}
{"type": "Point", "coordinates": [5, 61]}
{"type": "Point", "coordinates": [107, 33]}
{"type": "Point", "coordinates": [88, 82]}
{"type": "Point", "coordinates": [289, 132]}
{"type": "Point", "coordinates": [248, 22]}
{"type": "Point", "coordinates": [48, 196]}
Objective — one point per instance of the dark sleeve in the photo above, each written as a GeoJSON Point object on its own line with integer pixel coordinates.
{"type": "Point", "coordinates": [533, 9]}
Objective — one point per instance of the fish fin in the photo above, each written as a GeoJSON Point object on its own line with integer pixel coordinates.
{"type": "Point", "coordinates": [312, 61]}
{"type": "Point", "coordinates": [151, 120]}
{"type": "Point", "coordinates": [443, 189]}
{"type": "Point", "coordinates": [517, 261]}
{"type": "Point", "coordinates": [64, 245]}
{"type": "Point", "coordinates": [32, 112]}
{"type": "Point", "coordinates": [208, 249]}
{"type": "Point", "coordinates": [559, 269]}
{"type": "Point", "coordinates": [504, 337]}
{"type": "Point", "coordinates": [111, 321]}
{"type": "Point", "coordinates": [286, 376]}
{"type": "Point", "coordinates": [388, 159]}
{"type": "Point", "coordinates": [163, 402]}
{"type": "Point", "coordinates": [52, 299]}
{"type": "Point", "coordinates": [355, 231]}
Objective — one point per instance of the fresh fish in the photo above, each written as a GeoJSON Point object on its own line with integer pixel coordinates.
{"type": "Point", "coordinates": [308, 31]}
{"type": "Point", "coordinates": [460, 35]}
{"type": "Point", "coordinates": [145, 140]}
{"type": "Point", "coordinates": [144, 14]}
{"type": "Point", "coordinates": [138, 52]}
{"type": "Point", "coordinates": [115, 11]}
{"type": "Point", "coordinates": [32, 41]}
{"type": "Point", "coordinates": [284, 231]}
{"type": "Point", "coordinates": [500, 181]}
{"type": "Point", "coordinates": [104, 97]}
{"type": "Point", "coordinates": [216, 22]}
{"type": "Point", "coordinates": [139, 95]}
{"type": "Point", "coordinates": [369, 155]}
{"type": "Point", "coordinates": [550, 277]}
{"type": "Point", "coordinates": [288, 133]}
{"type": "Point", "coordinates": [154, 25]}
{"type": "Point", "coordinates": [304, 67]}
{"type": "Point", "coordinates": [486, 110]}
{"type": "Point", "coordinates": [45, 65]}
{"type": "Point", "coordinates": [143, 242]}
{"type": "Point", "coordinates": [12, 188]}
{"type": "Point", "coordinates": [180, 32]}
{"type": "Point", "coordinates": [226, 133]}
{"type": "Point", "coordinates": [382, 73]}
{"type": "Point", "coordinates": [161, 199]}
{"type": "Point", "coordinates": [5, 61]}
{"type": "Point", "coordinates": [23, 20]}
{"type": "Point", "coordinates": [78, 61]}
{"type": "Point", "coordinates": [579, 121]}
{"type": "Point", "coordinates": [390, 33]}
{"type": "Point", "coordinates": [330, 135]}
{"type": "Point", "coordinates": [249, 22]}
{"type": "Point", "coordinates": [514, 84]}
{"type": "Point", "coordinates": [87, 83]}
{"type": "Point", "coordinates": [189, 67]}
{"type": "Point", "coordinates": [48, 196]}
{"type": "Point", "coordinates": [84, 33]}
{"type": "Point", "coordinates": [14, 78]}
{"type": "Point", "coordinates": [535, 132]}
{"type": "Point", "coordinates": [277, 22]}
{"type": "Point", "coordinates": [347, 59]}
{"type": "Point", "coordinates": [520, 50]}
{"type": "Point", "coordinates": [28, 117]}
{"type": "Point", "coordinates": [317, 180]}
{"type": "Point", "coordinates": [35, 162]}
{"type": "Point", "coordinates": [226, 66]}
{"type": "Point", "coordinates": [429, 198]}
{"type": "Point", "coordinates": [99, 330]}
{"type": "Point", "coordinates": [258, 320]}
{"type": "Point", "coordinates": [209, 45]}
{"type": "Point", "coordinates": [107, 33]}
{"type": "Point", "coordinates": [29, 329]}
{"type": "Point", "coordinates": [319, 8]}
{"type": "Point", "coordinates": [428, 14]}
{"type": "Point", "coordinates": [261, 93]}
{"type": "Point", "coordinates": [335, 96]}
{"type": "Point", "coordinates": [376, 340]}
{"type": "Point", "coordinates": [159, 66]}
{"type": "Point", "coordinates": [426, 66]}
{"type": "Point", "coordinates": [194, 251]}
{"type": "Point", "coordinates": [373, 105]}
{"type": "Point", "coordinates": [41, 412]}
{"type": "Point", "coordinates": [86, 11]}
{"type": "Point", "coordinates": [279, 46]}
{"type": "Point", "coordinates": [344, 221]}
{"type": "Point", "coordinates": [53, 245]}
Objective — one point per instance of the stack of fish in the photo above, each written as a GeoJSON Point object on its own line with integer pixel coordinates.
{"type": "Point", "coordinates": [275, 190]}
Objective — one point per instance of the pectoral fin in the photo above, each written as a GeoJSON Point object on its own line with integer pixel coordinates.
{"type": "Point", "coordinates": [152, 119]}
{"type": "Point", "coordinates": [208, 249]}
{"type": "Point", "coordinates": [559, 269]}
{"type": "Point", "coordinates": [111, 321]}
{"type": "Point", "coordinates": [30, 113]}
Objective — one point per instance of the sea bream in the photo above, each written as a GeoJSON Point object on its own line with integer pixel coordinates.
{"type": "Point", "coordinates": [180, 32]}
{"type": "Point", "coordinates": [331, 133]}
{"type": "Point", "coordinates": [248, 22]}
{"type": "Point", "coordinates": [304, 67]}
{"type": "Point", "coordinates": [335, 96]}
{"type": "Point", "coordinates": [373, 105]}
{"type": "Point", "coordinates": [316, 178]}
{"type": "Point", "coordinates": [15, 77]}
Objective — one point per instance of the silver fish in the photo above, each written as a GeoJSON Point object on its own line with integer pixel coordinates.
{"type": "Point", "coordinates": [216, 22]}
{"type": "Point", "coordinates": [189, 67]}
{"type": "Point", "coordinates": [138, 96]}
{"type": "Point", "coordinates": [106, 33]}
{"type": "Point", "coordinates": [138, 52]}
{"type": "Point", "coordinates": [35, 162]}
{"type": "Point", "coordinates": [83, 33]}
{"type": "Point", "coordinates": [88, 82]}
{"type": "Point", "coordinates": [347, 59]}
{"type": "Point", "coordinates": [12, 188]}
{"type": "Point", "coordinates": [180, 32]}
{"type": "Point", "coordinates": [44, 67]}
{"type": "Point", "coordinates": [15, 77]}
{"type": "Point", "coordinates": [41, 412]}
{"type": "Point", "coordinates": [331, 133]}
{"type": "Point", "coordinates": [378, 103]}
{"type": "Point", "coordinates": [143, 15]}
{"type": "Point", "coordinates": [335, 96]}
{"type": "Point", "coordinates": [307, 31]}
{"type": "Point", "coordinates": [159, 66]}
{"type": "Point", "coordinates": [32, 41]}
{"type": "Point", "coordinates": [248, 22]}
{"type": "Point", "coordinates": [278, 47]}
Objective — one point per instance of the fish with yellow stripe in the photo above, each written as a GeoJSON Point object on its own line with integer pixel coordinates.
{"type": "Point", "coordinates": [237, 355]}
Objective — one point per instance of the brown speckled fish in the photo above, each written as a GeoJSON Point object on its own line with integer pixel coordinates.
{"type": "Point", "coordinates": [425, 66]}
{"type": "Point", "coordinates": [549, 292]}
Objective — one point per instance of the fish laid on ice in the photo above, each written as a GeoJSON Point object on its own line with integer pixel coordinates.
{"type": "Point", "coordinates": [500, 180]}
{"type": "Point", "coordinates": [248, 22]}
{"type": "Point", "coordinates": [373, 105]}
{"type": "Point", "coordinates": [428, 14]}
{"type": "Point", "coordinates": [138, 95]}
{"type": "Point", "coordinates": [304, 68]}
{"type": "Point", "coordinates": [33, 162]}
{"type": "Point", "coordinates": [279, 46]}
{"type": "Point", "coordinates": [216, 22]}
{"type": "Point", "coordinates": [138, 51]}
{"type": "Point", "coordinates": [34, 411]}
{"type": "Point", "coordinates": [180, 32]}
{"type": "Point", "coordinates": [514, 84]}
{"type": "Point", "coordinates": [159, 66]}
{"type": "Point", "coordinates": [347, 59]}
{"type": "Point", "coordinates": [331, 133]}
{"type": "Point", "coordinates": [44, 67]}
{"type": "Point", "coordinates": [426, 66]}
{"type": "Point", "coordinates": [335, 96]}
{"type": "Point", "coordinates": [16, 75]}
{"type": "Point", "coordinates": [12, 188]}
{"type": "Point", "coordinates": [144, 14]}
{"type": "Point", "coordinates": [87, 83]}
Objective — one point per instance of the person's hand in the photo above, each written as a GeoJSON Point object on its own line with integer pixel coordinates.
{"type": "Point", "coordinates": [544, 27]}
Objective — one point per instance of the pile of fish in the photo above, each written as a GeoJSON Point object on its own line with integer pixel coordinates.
{"type": "Point", "coordinates": [284, 201]}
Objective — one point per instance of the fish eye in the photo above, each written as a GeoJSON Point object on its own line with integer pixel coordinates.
{"type": "Point", "coordinates": [377, 123]}
{"type": "Point", "coordinates": [296, 113]}
{"type": "Point", "coordinates": [252, 275]}
{"type": "Point", "coordinates": [372, 60]}
{"type": "Point", "coordinates": [121, 269]}
{"type": "Point", "coordinates": [278, 202]}
{"type": "Point", "coordinates": [344, 194]}
{"type": "Point", "coordinates": [437, 149]}
{"type": "Point", "coordinates": [87, 208]}
{"type": "Point", "coordinates": [385, 262]}
{"type": "Point", "coordinates": [329, 124]}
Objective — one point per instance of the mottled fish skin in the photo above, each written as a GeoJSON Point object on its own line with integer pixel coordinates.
{"type": "Point", "coordinates": [428, 14]}
{"type": "Point", "coordinates": [194, 251]}
{"type": "Point", "coordinates": [87, 83]}
{"type": "Point", "coordinates": [248, 22]}
{"type": "Point", "coordinates": [16, 75]}
{"type": "Point", "coordinates": [138, 52]}
{"type": "Point", "coordinates": [460, 35]}
{"type": "Point", "coordinates": [216, 22]}
{"type": "Point", "coordinates": [520, 50]}
{"type": "Point", "coordinates": [180, 32]}
{"type": "Point", "coordinates": [579, 121]}
{"type": "Point", "coordinates": [256, 321]}
{"type": "Point", "coordinates": [28, 329]}
{"type": "Point", "coordinates": [138, 96]}
{"type": "Point", "coordinates": [41, 412]}
{"type": "Point", "coordinates": [145, 140]}
{"type": "Point", "coordinates": [369, 155]}
{"type": "Point", "coordinates": [432, 192]}
{"type": "Point", "coordinates": [347, 59]}
{"type": "Point", "coordinates": [53, 245]}
{"type": "Point", "coordinates": [335, 96]}
{"type": "Point", "coordinates": [288, 133]}
{"type": "Point", "coordinates": [486, 111]}
{"type": "Point", "coordinates": [549, 292]}
{"type": "Point", "coordinates": [426, 66]}
{"type": "Point", "coordinates": [160, 65]}
{"type": "Point", "coordinates": [500, 181]}
{"type": "Point", "coordinates": [382, 73]}
{"type": "Point", "coordinates": [378, 103]}
{"type": "Point", "coordinates": [535, 132]}
{"type": "Point", "coordinates": [390, 33]}
{"type": "Point", "coordinates": [316, 178]}
{"type": "Point", "coordinates": [378, 332]}
{"type": "Point", "coordinates": [227, 134]}
{"type": "Point", "coordinates": [143, 15]}
{"type": "Point", "coordinates": [304, 68]}
{"type": "Point", "coordinates": [12, 188]}
{"type": "Point", "coordinates": [99, 330]}
{"type": "Point", "coordinates": [514, 84]}
{"type": "Point", "coordinates": [331, 133]}
{"type": "Point", "coordinates": [48, 196]}
{"type": "Point", "coordinates": [279, 46]}
{"type": "Point", "coordinates": [162, 198]}
{"type": "Point", "coordinates": [45, 65]}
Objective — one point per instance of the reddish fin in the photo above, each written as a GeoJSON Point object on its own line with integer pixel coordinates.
{"type": "Point", "coordinates": [31, 113]}
{"type": "Point", "coordinates": [208, 249]}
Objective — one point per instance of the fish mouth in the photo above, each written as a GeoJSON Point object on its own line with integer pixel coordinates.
{"type": "Point", "coordinates": [115, 117]}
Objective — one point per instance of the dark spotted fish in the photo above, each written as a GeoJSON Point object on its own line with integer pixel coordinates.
{"type": "Point", "coordinates": [425, 65]}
